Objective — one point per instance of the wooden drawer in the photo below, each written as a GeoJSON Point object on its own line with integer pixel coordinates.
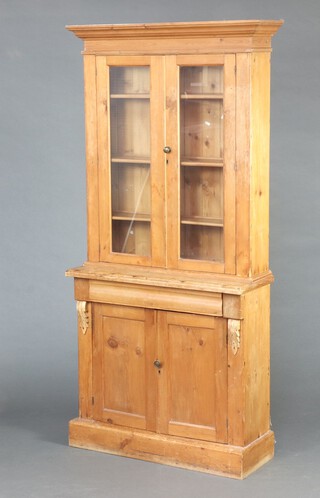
{"type": "Point", "coordinates": [146, 296]}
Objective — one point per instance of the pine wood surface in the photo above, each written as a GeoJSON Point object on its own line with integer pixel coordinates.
{"type": "Point", "coordinates": [93, 234]}
{"type": "Point", "coordinates": [85, 369]}
{"type": "Point", "coordinates": [174, 300]}
{"type": "Point", "coordinates": [260, 146]}
{"type": "Point", "coordinates": [242, 211]}
{"type": "Point", "coordinates": [214, 458]}
{"type": "Point", "coordinates": [203, 303]}
{"type": "Point", "coordinates": [243, 164]}
{"type": "Point", "coordinates": [175, 279]}
{"type": "Point", "coordinates": [183, 38]}
{"type": "Point", "coordinates": [249, 370]}
{"type": "Point", "coordinates": [214, 28]}
{"type": "Point", "coordinates": [123, 354]}
{"type": "Point", "coordinates": [192, 397]}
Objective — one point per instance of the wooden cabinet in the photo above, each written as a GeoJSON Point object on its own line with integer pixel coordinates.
{"type": "Point", "coordinates": [173, 302]}
{"type": "Point", "coordinates": [183, 394]}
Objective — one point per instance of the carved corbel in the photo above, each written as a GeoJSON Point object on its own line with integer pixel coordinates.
{"type": "Point", "coordinates": [234, 335]}
{"type": "Point", "coordinates": [83, 315]}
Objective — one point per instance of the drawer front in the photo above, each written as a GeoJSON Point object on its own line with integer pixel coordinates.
{"type": "Point", "coordinates": [143, 296]}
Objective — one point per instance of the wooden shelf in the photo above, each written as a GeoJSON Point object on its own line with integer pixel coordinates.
{"type": "Point", "coordinates": [201, 221]}
{"type": "Point", "coordinates": [217, 163]}
{"type": "Point", "coordinates": [193, 281]}
{"type": "Point", "coordinates": [125, 216]}
{"type": "Point", "coordinates": [130, 96]}
{"type": "Point", "coordinates": [201, 96]}
{"type": "Point", "coordinates": [131, 160]}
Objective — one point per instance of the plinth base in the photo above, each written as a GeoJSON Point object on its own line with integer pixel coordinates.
{"type": "Point", "coordinates": [214, 458]}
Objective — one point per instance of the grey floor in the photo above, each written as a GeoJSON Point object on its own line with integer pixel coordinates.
{"type": "Point", "coordinates": [36, 462]}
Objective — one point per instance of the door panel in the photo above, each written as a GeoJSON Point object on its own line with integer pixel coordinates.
{"type": "Point", "coordinates": [173, 209]}
{"type": "Point", "coordinates": [123, 374]}
{"type": "Point", "coordinates": [201, 176]}
{"type": "Point", "coordinates": [132, 204]}
{"type": "Point", "coordinates": [193, 377]}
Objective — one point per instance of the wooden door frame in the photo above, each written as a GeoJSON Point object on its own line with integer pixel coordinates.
{"type": "Point", "coordinates": [157, 183]}
{"type": "Point", "coordinates": [173, 174]}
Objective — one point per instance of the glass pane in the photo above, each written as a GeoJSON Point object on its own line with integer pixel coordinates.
{"type": "Point", "coordinates": [201, 80]}
{"type": "Point", "coordinates": [130, 128]}
{"type": "Point", "coordinates": [201, 195]}
{"type": "Point", "coordinates": [130, 159]}
{"type": "Point", "coordinates": [201, 129]}
{"type": "Point", "coordinates": [131, 237]}
{"type": "Point", "coordinates": [201, 163]}
{"type": "Point", "coordinates": [201, 242]}
{"type": "Point", "coordinates": [130, 80]}
{"type": "Point", "coordinates": [131, 189]}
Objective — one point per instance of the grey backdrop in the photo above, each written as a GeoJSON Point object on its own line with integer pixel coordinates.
{"type": "Point", "coordinates": [42, 227]}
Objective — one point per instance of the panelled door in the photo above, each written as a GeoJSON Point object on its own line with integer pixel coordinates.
{"type": "Point", "coordinates": [166, 161]}
{"type": "Point", "coordinates": [160, 371]}
{"type": "Point", "coordinates": [193, 377]}
{"type": "Point", "coordinates": [124, 382]}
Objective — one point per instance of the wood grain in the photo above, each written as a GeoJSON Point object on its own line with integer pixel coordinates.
{"type": "Point", "coordinates": [194, 390]}
{"type": "Point", "coordinates": [85, 368]}
{"type": "Point", "coordinates": [178, 29]}
{"type": "Point", "coordinates": [174, 329]}
{"type": "Point", "coordinates": [256, 343]}
{"type": "Point", "coordinates": [201, 247]}
{"type": "Point", "coordinates": [158, 164]}
{"type": "Point", "coordinates": [229, 164]}
{"type": "Point", "coordinates": [249, 371]}
{"type": "Point", "coordinates": [174, 279]}
{"type": "Point", "coordinates": [243, 164]}
{"type": "Point", "coordinates": [103, 145]}
{"type": "Point", "coordinates": [213, 458]}
{"type": "Point", "coordinates": [204, 303]}
{"type": "Point", "coordinates": [91, 157]}
{"type": "Point", "coordinates": [260, 146]}
{"type": "Point", "coordinates": [124, 348]}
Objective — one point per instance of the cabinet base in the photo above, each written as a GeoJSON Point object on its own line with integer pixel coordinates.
{"type": "Point", "coordinates": [214, 458]}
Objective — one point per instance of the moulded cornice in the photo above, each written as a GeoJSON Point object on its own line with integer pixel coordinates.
{"type": "Point", "coordinates": [248, 28]}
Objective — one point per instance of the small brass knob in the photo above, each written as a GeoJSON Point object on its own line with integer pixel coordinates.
{"type": "Point", "coordinates": [167, 149]}
{"type": "Point", "coordinates": [157, 363]}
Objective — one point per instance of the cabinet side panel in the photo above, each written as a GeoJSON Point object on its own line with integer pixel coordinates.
{"type": "Point", "coordinates": [85, 368]}
{"type": "Point", "coordinates": [256, 338]}
{"type": "Point", "coordinates": [91, 156]}
{"type": "Point", "coordinates": [243, 164]}
{"type": "Point", "coordinates": [260, 138]}
{"type": "Point", "coordinates": [236, 391]}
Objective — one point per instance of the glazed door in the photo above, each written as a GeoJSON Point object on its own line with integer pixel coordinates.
{"type": "Point", "coordinates": [124, 380]}
{"type": "Point", "coordinates": [131, 161]}
{"type": "Point", "coordinates": [192, 399]}
{"type": "Point", "coordinates": [200, 131]}
{"type": "Point", "coordinates": [166, 161]}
